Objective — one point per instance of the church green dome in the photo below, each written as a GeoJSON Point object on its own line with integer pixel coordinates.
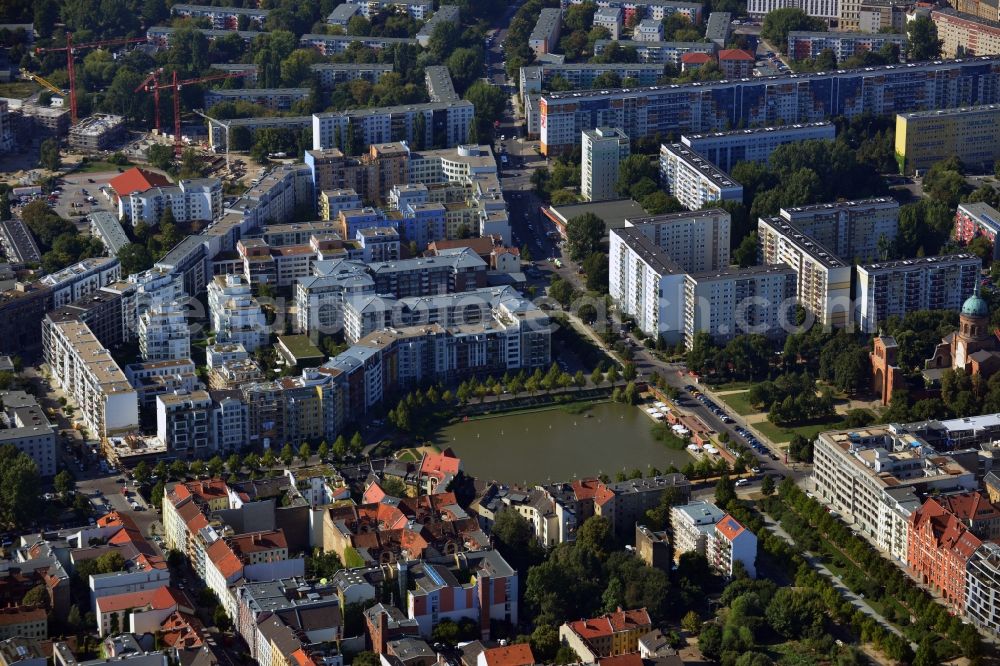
{"type": "Point", "coordinates": [975, 306]}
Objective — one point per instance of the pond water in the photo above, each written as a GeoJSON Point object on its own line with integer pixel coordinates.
{"type": "Point", "coordinates": [555, 445]}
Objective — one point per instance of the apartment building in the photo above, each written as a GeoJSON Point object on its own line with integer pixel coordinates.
{"type": "Point", "coordinates": [331, 45]}
{"type": "Point", "coordinates": [609, 635]}
{"type": "Point", "coordinates": [278, 99]}
{"type": "Point", "coordinates": [894, 288]}
{"type": "Point", "coordinates": [164, 334]}
{"type": "Point", "coordinates": [331, 202]}
{"type": "Point", "coordinates": [874, 477]}
{"type": "Point", "coordinates": [609, 18]}
{"type": "Point", "coordinates": [625, 503]}
{"type": "Point", "coordinates": [247, 71]}
{"type": "Point", "coordinates": [443, 123]}
{"type": "Point", "coordinates": [18, 244]}
{"type": "Point", "coordinates": [105, 227]}
{"type": "Point", "coordinates": [183, 422]}
{"type": "Point", "coordinates": [982, 593]}
{"type": "Point", "coordinates": [193, 200]}
{"type": "Point", "coordinates": [312, 607]}
{"type": "Point", "coordinates": [417, 9]}
{"type": "Point", "coordinates": [968, 133]}
{"type": "Point", "coordinates": [733, 547]}
{"type": "Point", "coordinates": [487, 590]}
{"type": "Point", "coordinates": [444, 14]}
{"type": "Point", "coordinates": [693, 180]}
{"type": "Point", "coordinates": [235, 315]}
{"type": "Point", "coordinates": [693, 526]}
{"type": "Point", "coordinates": [736, 63]}
{"type": "Point", "coordinates": [85, 371]}
{"type": "Point", "coordinates": [939, 550]}
{"type": "Point", "coordinates": [101, 311]}
{"type": "Point", "coordinates": [225, 18]}
{"type": "Point", "coordinates": [153, 378]}
{"type": "Point", "coordinates": [718, 28]}
{"type": "Point", "coordinates": [823, 281]}
{"type": "Point", "coordinates": [581, 75]}
{"type": "Point", "coordinates": [440, 87]}
{"type": "Point", "coordinates": [275, 199]}
{"type": "Point", "coordinates": [725, 149]}
{"type": "Point", "coordinates": [824, 9]}
{"type": "Point", "coordinates": [805, 45]}
{"type": "Point", "coordinates": [769, 100]}
{"type": "Point", "coordinates": [852, 229]}
{"type": "Point", "coordinates": [654, 9]}
{"type": "Point", "coordinates": [604, 148]}
{"type": "Point", "coordinates": [24, 426]}
{"type": "Point", "coordinates": [545, 35]}
{"type": "Point", "coordinates": [966, 34]}
{"type": "Point", "coordinates": [80, 280]}
{"type": "Point", "coordinates": [646, 284]}
{"type": "Point", "coordinates": [22, 309]}
{"type": "Point", "coordinates": [731, 302]}
{"type": "Point", "coordinates": [648, 30]}
{"type": "Point", "coordinates": [977, 219]}
{"type": "Point", "coordinates": [659, 53]}
{"type": "Point", "coordinates": [294, 409]}
{"type": "Point", "coordinates": [332, 74]}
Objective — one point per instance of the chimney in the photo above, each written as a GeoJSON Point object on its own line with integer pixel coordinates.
{"type": "Point", "coordinates": [485, 596]}
{"type": "Point", "coordinates": [404, 582]}
{"type": "Point", "coordinates": [383, 632]}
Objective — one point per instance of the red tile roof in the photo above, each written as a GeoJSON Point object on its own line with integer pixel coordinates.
{"type": "Point", "coordinates": [126, 601]}
{"type": "Point", "coordinates": [440, 464]}
{"type": "Point", "coordinates": [21, 615]}
{"type": "Point", "coordinates": [729, 527]}
{"type": "Point", "coordinates": [518, 654]}
{"type": "Point", "coordinates": [300, 658]}
{"type": "Point", "coordinates": [631, 659]}
{"type": "Point", "coordinates": [695, 58]}
{"type": "Point", "coordinates": [619, 620]}
{"type": "Point", "coordinates": [181, 630]}
{"type": "Point", "coordinates": [585, 489]}
{"type": "Point", "coordinates": [624, 620]}
{"type": "Point", "coordinates": [735, 54]}
{"type": "Point", "coordinates": [136, 180]}
{"type": "Point", "coordinates": [224, 559]}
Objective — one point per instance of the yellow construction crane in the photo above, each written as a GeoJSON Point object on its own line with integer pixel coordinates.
{"type": "Point", "coordinates": [42, 82]}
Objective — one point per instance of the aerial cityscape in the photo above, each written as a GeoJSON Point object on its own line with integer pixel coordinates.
{"type": "Point", "coordinates": [588, 332]}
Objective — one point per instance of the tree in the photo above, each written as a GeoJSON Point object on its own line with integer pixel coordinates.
{"type": "Point", "coordinates": [794, 613]}
{"type": "Point", "coordinates": [323, 451]}
{"type": "Point", "coordinates": [215, 466]}
{"type": "Point", "coordinates": [366, 658]}
{"type": "Point", "coordinates": [48, 156]}
{"type": "Point", "coordinates": [64, 482]}
{"type": "Point", "coordinates": [922, 39]}
{"type": "Point", "coordinates": [160, 156]}
{"type": "Point", "coordinates": [583, 235]}
{"type": "Point", "coordinates": [141, 473]}
{"type": "Point", "coordinates": [778, 23]}
{"type": "Point", "coordinates": [710, 642]}
{"type": "Point", "coordinates": [221, 618]}
{"type": "Point", "coordinates": [286, 454]}
{"type": "Point", "coordinates": [596, 268]}
{"type": "Point", "coordinates": [305, 452]}
{"type": "Point", "coordinates": [691, 622]}
{"type": "Point", "coordinates": [633, 170]}
{"type": "Point", "coordinates": [73, 619]}
{"type": "Point", "coordinates": [746, 253]}
{"type": "Point", "coordinates": [767, 486]}
{"type": "Point", "coordinates": [489, 101]}
{"type": "Point", "coordinates": [357, 443]}
{"type": "Point", "coordinates": [38, 596]}
{"type": "Point", "coordinates": [19, 483]}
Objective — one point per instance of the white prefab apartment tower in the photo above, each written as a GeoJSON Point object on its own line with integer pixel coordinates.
{"type": "Point", "coordinates": [603, 150]}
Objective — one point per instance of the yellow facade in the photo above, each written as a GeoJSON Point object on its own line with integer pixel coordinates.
{"type": "Point", "coordinates": [970, 134]}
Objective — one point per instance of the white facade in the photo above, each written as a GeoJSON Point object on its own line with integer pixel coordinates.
{"type": "Point", "coordinates": [728, 303]}
{"type": "Point", "coordinates": [823, 281]}
{"type": "Point", "coordinates": [190, 200]}
{"type": "Point", "coordinates": [123, 582]}
{"type": "Point", "coordinates": [90, 377]}
{"type": "Point", "coordinates": [609, 18]}
{"type": "Point", "coordinates": [382, 125]}
{"type": "Point", "coordinates": [24, 426]}
{"type": "Point", "coordinates": [725, 149]}
{"type": "Point", "coordinates": [692, 525]}
{"type": "Point", "coordinates": [236, 316]}
{"type": "Point", "coordinates": [81, 279]}
{"type": "Point", "coordinates": [852, 229]}
{"type": "Point", "coordinates": [603, 150]}
{"type": "Point", "coordinates": [693, 180]}
{"type": "Point", "coordinates": [825, 9]}
{"type": "Point", "coordinates": [646, 284]}
{"type": "Point", "coordinates": [696, 241]}
{"type": "Point", "coordinates": [926, 283]}
{"type": "Point", "coordinates": [648, 30]}
{"type": "Point", "coordinates": [982, 588]}
{"type": "Point", "coordinates": [164, 334]}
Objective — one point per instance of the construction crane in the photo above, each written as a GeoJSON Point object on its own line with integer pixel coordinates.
{"type": "Point", "coordinates": [152, 82]}
{"type": "Point", "coordinates": [70, 49]}
{"type": "Point", "coordinates": [42, 82]}
{"type": "Point", "coordinates": [223, 125]}
{"type": "Point", "coordinates": [154, 85]}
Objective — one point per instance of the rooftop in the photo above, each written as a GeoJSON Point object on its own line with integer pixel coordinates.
{"type": "Point", "coordinates": [920, 262]}
{"type": "Point", "coordinates": [781, 129]}
{"type": "Point", "coordinates": [698, 163]}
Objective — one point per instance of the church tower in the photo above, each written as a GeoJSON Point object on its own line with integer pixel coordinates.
{"type": "Point", "coordinates": [973, 329]}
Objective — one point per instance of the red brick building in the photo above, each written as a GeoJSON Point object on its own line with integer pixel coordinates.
{"type": "Point", "coordinates": [939, 548]}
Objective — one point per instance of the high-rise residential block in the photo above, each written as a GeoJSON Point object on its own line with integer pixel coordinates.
{"type": "Point", "coordinates": [603, 150]}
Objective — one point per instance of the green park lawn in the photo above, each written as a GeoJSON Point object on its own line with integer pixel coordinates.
{"type": "Point", "coordinates": [738, 403]}
{"type": "Point", "coordinates": [781, 435]}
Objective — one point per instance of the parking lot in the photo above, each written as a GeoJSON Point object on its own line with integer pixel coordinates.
{"type": "Point", "coordinates": [75, 189]}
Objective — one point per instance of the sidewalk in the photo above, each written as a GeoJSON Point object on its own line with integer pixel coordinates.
{"type": "Point", "coordinates": [844, 591]}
